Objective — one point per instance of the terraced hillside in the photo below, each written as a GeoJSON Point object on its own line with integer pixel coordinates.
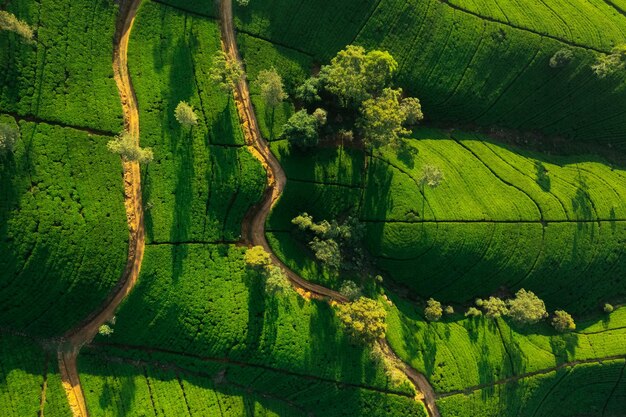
{"type": "Point", "coordinates": [479, 62]}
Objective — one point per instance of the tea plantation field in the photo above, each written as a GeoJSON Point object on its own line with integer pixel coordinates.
{"type": "Point", "coordinates": [26, 372]}
{"type": "Point", "coordinates": [63, 233]}
{"type": "Point", "coordinates": [202, 181]}
{"type": "Point", "coordinates": [66, 75]}
{"type": "Point", "coordinates": [478, 62]}
{"type": "Point", "coordinates": [502, 217]}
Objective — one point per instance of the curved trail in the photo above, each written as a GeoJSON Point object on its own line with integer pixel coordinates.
{"type": "Point", "coordinates": [75, 338]}
{"type": "Point", "coordinates": [253, 227]}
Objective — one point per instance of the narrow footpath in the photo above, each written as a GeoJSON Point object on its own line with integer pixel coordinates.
{"type": "Point", "coordinates": [253, 227]}
{"type": "Point", "coordinates": [82, 334]}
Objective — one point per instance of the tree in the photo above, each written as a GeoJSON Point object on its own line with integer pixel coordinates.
{"type": "Point", "coordinates": [225, 72]}
{"type": "Point", "coordinates": [382, 119]}
{"type": "Point", "coordinates": [433, 310]}
{"type": "Point", "coordinates": [105, 330]}
{"type": "Point", "coordinates": [448, 310]}
{"type": "Point", "coordinates": [431, 176]}
{"type": "Point", "coordinates": [301, 130]}
{"type": "Point", "coordinates": [271, 86]}
{"type": "Point", "coordinates": [350, 290]}
{"type": "Point", "coordinates": [309, 90]}
{"type": "Point", "coordinates": [8, 138]}
{"type": "Point", "coordinates": [321, 116]}
{"type": "Point", "coordinates": [412, 110]}
{"type": "Point", "coordinates": [11, 23]}
{"type": "Point", "coordinates": [257, 257]}
{"type": "Point", "coordinates": [473, 312]}
{"type": "Point", "coordinates": [561, 58]}
{"type": "Point", "coordinates": [185, 115]}
{"type": "Point", "coordinates": [354, 75]}
{"type": "Point", "coordinates": [127, 147]}
{"type": "Point", "coordinates": [563, 322]}
{"type": "Point", "coordinates": [494, 307]}
{"type": "Point", "coordinates": [364, 319]}
{"type": "Point", "coordinates": [276, 281]}
{"type": "Point", "coordinates": [608, 64]}
{"type": "Point", "coordinates": [526, 307]}
{"type": "Point", "coordinates": [243, 3]}
{"type": "Point", "coordinates": [608, 308]}
{"type": "Point", "coordinates": [327, 251]}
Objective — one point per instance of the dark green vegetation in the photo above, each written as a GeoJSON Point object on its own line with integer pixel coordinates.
{"type": "Point", "coordinates": [66, 75]}
{"type": "Point", "coordinates": [25, 369]}
{"type": "Point", "coordinates": [202, 179]}
{"type": "Point", "coordinates": [468, 65]}
{"type": "Point", "coordinates": [519, 217]}
{"type": "Point", "coordinates": [63, 233]}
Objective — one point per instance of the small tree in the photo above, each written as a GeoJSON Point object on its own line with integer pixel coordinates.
{"type": "Point", "coordinates": [561, 58]}
{"type": "Point", "coordinates": [127, 147]}
{"type": "Point", "coordinates": [412, 110]}
{"type": "Point", "coordinates": [8, 138]}
{"type": "Point", "coordinates": [449, 310]}
{"type": "Point", "coordinates": [431, 176]}
{"type": "Point", "coordinates": [276, 281]}
{"type": "Point", "coordinates": [563, 322]}
{"type": "Point", "coordinates": [473, 312]}
{"type": "Point", "coordinates": [433, 310]}
{"type": "Point", "coordinates": [364, 319]}
{"type": "Point", "coordinates": [11, 23]}
{"type": "Point", "coordinates": [494, 307]}
{"type": "Point", "coordinates": [608, 308]}
{"type": "Point", "coordinates": [301, 130]}
{"type": "Point", "coordinates": [257, 257]}
{"type": "Point", "coordinates": [526, 307]}
{"type": "Point", "coordinates": [271, 86]}
{"type": "Point", "coordinates": [350, 290]}
{"type": "Point", "coordinates": [225, 72]}
{"type": "Point", "coordinates": [105, 330]}
{"type": "Point", "coordinates": [185, 115]}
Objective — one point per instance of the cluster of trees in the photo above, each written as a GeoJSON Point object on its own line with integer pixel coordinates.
{"type": "Point", "coordinates": [11, 23]}
{"type": "Point", "coordinates": [525, 308]}
{"type": "Point", "coordinates": [127, 147]}
{"type": "Point", "coordinates": [275, 279]}
{"type": "Point", "coordinates": [337, 245]}
{"type": "Point", "coordinates": [364, 319]}
{"type": "Point", "coordinates": [607, 64]}
{"type": "Point", "coordinates": [226, 72]}
{"type": "Point", "coordinates": [8, 138]}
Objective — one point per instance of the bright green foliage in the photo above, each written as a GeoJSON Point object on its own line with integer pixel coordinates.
{"type": "Point", "coordinates": [526, 307]}
{"type": "Point", "coordinates": [66, 76]}
{"type": "Point", "coordinates": [350, 290]}
{"type": "Point", "coordinates": [127, 147]}
{"type": "Point", "coordinates": [8, 137]}
{"type": "Point", "coordinates": [449, 310]}
{"type": "Point", "coordinates": [199, 192]}
{"type": "Point", "coordinates": [433, 310]}
{"type": "Point", "coordinates": [257, 257]}
{"type": "Point", "coordinates": [608, 308]}
{"type": "Point", "coordinates": [63, 240]}
{"type": "Point", "coordinates": [611, 63]}
{"type": "Point", "coordinates": [185, 115]}
{"type": "Point", "coordinates": [383, 118]}
{"type": "Point", "coordinates": [308, 91]}
{"type": "Point", "coordinates": [355, 76]}
{"type": "Point", "coordinates": [105, 330]}
{"type": "Point", "coordinates": [24, 366]}
{"type": "Point", "coordinates": [271, 86]}
{"type": "Point", "coordinates": [563, 321]}
{"type": "Point", "coordinates": [301, 130]}
{"type": "Point", "coordinates": [431, 176]}
{"type": "Point", "coordinates": [561, 58]}
{"type": "Point", "coordinates": [326, 251]}
{"type": "Point", "coordinates": [321, 115]}
{"type": "Point", "coordinates": [276, 281]}
{"type": "Point", "coordinates": [494, 307]}
{"type": "Point", "coordinates": [225, 72]}
{"type": "Point", "coordinates": [11, 23]}
{"type": "Point", "coordinates": [364, 319]}
{"type": "Point", "coordinates": [473, 312]}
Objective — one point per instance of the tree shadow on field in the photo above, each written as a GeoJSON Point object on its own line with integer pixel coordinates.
{"type": "Point", "coordinates": [377, 200]}
{"type": "Point", "coordinates": [407, 153]}
{"type": "Point", "coordinates": [257, 309]}
{"type": "Point", "coordinates": [541, 176]}
{"type": "Point", "coordinates": [126, 396]}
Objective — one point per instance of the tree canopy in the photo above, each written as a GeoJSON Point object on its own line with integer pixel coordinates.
{"type": "Point", "coordinates": [8, 138]}
{"type": "Point", "coordinates": [271, 86]}
{"type": "Point", "coordinates": [301, 130]}
{"type": "Point", "coordinates": [225, 72]}
{"type": "Point", "coordinates": [185, 115]}
{"type": "Point", "coordinates": [11, 23]}
{"type": "Point", "coordinates": [433, 310]}
{"type": "Point", "coordinates": [127, 147]}
{"type": "Point", "coordinates": [364, 319]}
{"type": "Point", "coordinates": [526, 307]}
{"type": "Point", "coordinates": [257, 257]}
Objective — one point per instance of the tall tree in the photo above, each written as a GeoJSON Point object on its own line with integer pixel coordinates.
{"type": "Point", "coordinates": [382, 119]}
{"type": "Point", "coordinates": [225, 72]}
{"type": "Point", "coordinates": [271, 86]}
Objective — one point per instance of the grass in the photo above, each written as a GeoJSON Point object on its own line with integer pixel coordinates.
{"type": "Point", "coordinates": [468, 65]}
{"type": "Point", "coordinates": [66, 76]}
{"type": "Point", "coordinates": [202, 181]}
{"type": "Point", "coordinates": [24, 368]}
{"type": "Point", "coordinates": [63, 239]}
{"type": "Point", "coordinates": [502, 217]}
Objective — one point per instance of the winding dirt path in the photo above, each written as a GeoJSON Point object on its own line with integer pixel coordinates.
{"type": "Point", "coordinates": [75, 338]}
{"type": "Point", "coordinates": [253, 227]}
